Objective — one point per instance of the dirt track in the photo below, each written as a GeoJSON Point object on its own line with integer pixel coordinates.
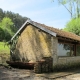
{"type": "Point", "coordinates": [22, 74]}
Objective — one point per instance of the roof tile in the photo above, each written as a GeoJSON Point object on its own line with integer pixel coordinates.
{"type": "Point", "coordinates": [61, 32]}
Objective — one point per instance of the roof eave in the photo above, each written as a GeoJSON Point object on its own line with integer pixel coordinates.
{"type": "Point", "coordinates": [42, 28]}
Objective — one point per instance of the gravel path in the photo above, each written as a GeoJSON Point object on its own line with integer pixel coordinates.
{"type": "Point", "coordinates": [22, 74]}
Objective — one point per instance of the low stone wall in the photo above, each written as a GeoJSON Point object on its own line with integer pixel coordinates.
{"type": "Point", "coordinates": [67, 60]}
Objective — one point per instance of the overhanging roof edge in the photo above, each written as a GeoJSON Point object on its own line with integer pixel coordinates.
{"type": "Point", "coordinates": [38, 26]}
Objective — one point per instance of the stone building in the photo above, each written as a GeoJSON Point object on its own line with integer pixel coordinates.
{"type": "Point", "coordinates": [33, 41]}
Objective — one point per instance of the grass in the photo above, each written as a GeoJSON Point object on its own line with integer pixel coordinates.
{"type": "Point", "coordinates": [4, 53]}
{"type": "Point", "coordinates": [4, 48]}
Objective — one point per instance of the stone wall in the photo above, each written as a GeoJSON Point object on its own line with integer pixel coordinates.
{"type": "Point", "coordinates": [68, 60]}
{"type": "Point", "coordinates": [54, 50]}
{"type": "Point", "coordinates": [34, 44]}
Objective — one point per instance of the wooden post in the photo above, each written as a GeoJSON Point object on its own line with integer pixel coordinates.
{"type": "Point", "coordinates": [75, 50]}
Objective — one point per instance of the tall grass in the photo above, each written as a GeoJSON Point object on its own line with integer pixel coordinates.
{"type": "Point", "coordinates": [4, 48]}
{"type": "Point", "coordinates": [4, 53]}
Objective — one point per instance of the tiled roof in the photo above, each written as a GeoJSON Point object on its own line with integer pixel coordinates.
{"type": "Point", "coordinates": [62, 33]}
{"type": "Point", "coordinates": [49, 30]}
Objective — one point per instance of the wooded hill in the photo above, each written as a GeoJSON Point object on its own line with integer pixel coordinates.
{"type": "Point", "coordinates": [9, 23]}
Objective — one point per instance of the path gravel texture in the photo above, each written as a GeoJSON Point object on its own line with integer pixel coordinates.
{"type": "Point", "coordinates": [23, 74]}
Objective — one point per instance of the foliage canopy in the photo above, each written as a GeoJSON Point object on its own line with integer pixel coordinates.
{"type": "Point", "coordinates": [6, 26]}
{"type": "Point", "coordinates": [9, 23]}
{"type": "Point", "coordinates": [73, 26]}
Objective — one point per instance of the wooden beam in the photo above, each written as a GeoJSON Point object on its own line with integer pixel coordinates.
{"type": "Point", "coordinates": [66, 39]}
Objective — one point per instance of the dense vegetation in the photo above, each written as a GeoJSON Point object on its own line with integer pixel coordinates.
{"type": "Point", "coordinates": [73, 26]}
{"type": "Point", "coordinates": [4, 53]}
{"type": "Point", "coordinates": [9, 24]}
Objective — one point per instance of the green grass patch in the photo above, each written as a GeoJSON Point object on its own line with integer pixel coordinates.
{"type": "Point", "coordinates": [4, 48]}
{"type": "Point", "coordinates": [4, 53]}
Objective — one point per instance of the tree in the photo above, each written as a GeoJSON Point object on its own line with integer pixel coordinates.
{"type": "Point", "coordinates": [1, 14]}
{"type": "Point", "coordinates": [17, 19]}
{"type": "Point", "coordinates": [1, 34]}
{"type": "Point", "coordinates": [72, 6]}
{"type": "Point", "coordinates": [73, 26]}
{"type": "Point", "coordinates": [7, 27]}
